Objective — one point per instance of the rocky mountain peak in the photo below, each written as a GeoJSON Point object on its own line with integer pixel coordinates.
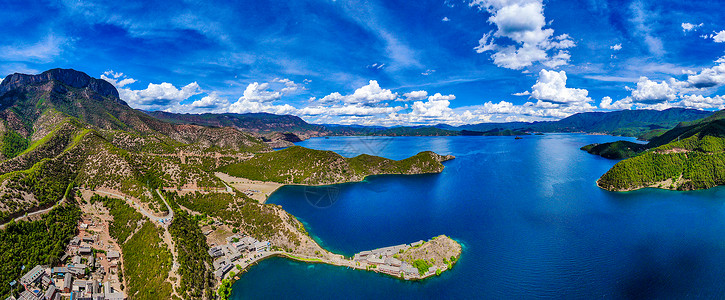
{"type": "Point", "coordinates": [69, 77]}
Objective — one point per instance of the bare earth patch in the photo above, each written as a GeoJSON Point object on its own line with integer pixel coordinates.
{"type": "Point", "coordinates": [257, 190]}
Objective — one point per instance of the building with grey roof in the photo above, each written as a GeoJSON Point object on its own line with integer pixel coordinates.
{"type": "Point", "coordinates": [113, 255]}
{"type": "Point", "coordinates": [32, 276]}
{"type": "Point", "coordinates": [261, 246]}
{"type": "Point", "coordinates": [392, 270]}
{"type": "Point", "coordinates": [393, 261]}
{"type": "Point", "coordinates": [375, 260]}
{"type": "Point", "coordinates": [50, 292]}
{"type": "Point", "coordinates": [408, 268]}
{"type": "Point", "coordinates": [67, 283]}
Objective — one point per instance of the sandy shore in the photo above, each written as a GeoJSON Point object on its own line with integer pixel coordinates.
{"type": "Point", "coordinates": [257, 190]}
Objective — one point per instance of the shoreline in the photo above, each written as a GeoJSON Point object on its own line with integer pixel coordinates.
{"type": "Point", "coordinates": [356, 263]}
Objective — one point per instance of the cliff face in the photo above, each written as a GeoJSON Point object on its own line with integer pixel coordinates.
{"type": "Point", "coordinates": [69, 77]}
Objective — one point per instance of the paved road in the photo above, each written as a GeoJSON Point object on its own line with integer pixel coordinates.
{"type": "Point", "coordinates": [168, 217]}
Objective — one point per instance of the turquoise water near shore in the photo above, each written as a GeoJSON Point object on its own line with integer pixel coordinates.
{"type": "Point", "coordinates": [531, 218]}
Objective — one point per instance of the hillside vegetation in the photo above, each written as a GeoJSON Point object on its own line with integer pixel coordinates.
{"type": "Point", "coordinates": [684, 158]}
{"type": "Point", "coordinates": [298, 165]}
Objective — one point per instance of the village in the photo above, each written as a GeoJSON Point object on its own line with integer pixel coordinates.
{"type": "Point", "coordinates": [238, 250]}
{"type": "Point", "coordinates": [87, 271]}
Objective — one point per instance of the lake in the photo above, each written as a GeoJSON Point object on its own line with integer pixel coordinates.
{"type": "Point", "coordinates": [528, 212]}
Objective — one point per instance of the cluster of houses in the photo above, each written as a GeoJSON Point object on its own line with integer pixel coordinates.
{"type": "Point", "coordinates": [384, 259]}
{"type": "Point", "coordinates": [44, 283]}
{"type": "Point", "coordinates": [78, 277]}
{"type": "Point", "coordinates": [236, 247]}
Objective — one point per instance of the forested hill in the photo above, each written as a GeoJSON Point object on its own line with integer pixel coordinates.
{"type": "Point", "coordinates": [684, 158]}
{"type": "Point", "coordinates": [300, 165]}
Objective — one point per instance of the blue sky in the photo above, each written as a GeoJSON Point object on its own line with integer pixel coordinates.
{"type": "Point", "coordinates": [386, 62]}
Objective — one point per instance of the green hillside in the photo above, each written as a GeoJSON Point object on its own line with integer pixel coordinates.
{"type": "Point", "coordinates": [306, 166]}
{"type": "Point", "coordinates": [684, 158]}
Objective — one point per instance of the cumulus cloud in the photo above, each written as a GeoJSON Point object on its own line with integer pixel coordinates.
{"type": "Point", "coordinates": [553, 100]}
{"type": "Point", "coordinates": [607, 103]}
{"type": "Point", "coordinates": [551, 87]}
{"type": "Point", "coordinates": [244, 105]}
{"type": "Point", "coordinates": [415, 95]}
{"type": "Point", "coordinates": [686, 27]}
{"type": "Point", "coordinates": [258, 97]}
{"type": "Point", "coordinates": [445, 19]}
{"type": "Point", "coordinates": [369, 94]}
{"type": "Point", "coordinates": [709, 77]}
{"type": "Point", "coordinates": [689, 93]}
{"type": "Point", "coordinates": [648, 91]}
{"type": "Point", "coordinates": [616, 47]}
{"type": "Point", "coordinates": [719, 37]}
{"type": "Point", "coordinates": [702, 102]}
{"type": "Point", "coordinates": [158, 96]}
{"type": "Point", "coordinates": [524, 93]}
{"type": "Point", "coordinates": [523, 23]}
{"type": "Point", "coordinates": [211, 102]}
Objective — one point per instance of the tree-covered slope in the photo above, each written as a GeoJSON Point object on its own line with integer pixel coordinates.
{"type": "Point", "coordinates": [692, 157]}
{"type": "Point", "coordinates": [306, 166]}
{"type": "Point", "coordinates": [615, 150]}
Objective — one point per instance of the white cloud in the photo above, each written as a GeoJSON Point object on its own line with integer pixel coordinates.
{"type": "Point", "coordinates": [415, 95]}
{"type": "Point", "coordinates": [690, 27]}
{"type": "Point", "coordinates": [445, 19]}
{"type": "Point", "coordinates": [260, 92]}
{"type": "Point", "coordinates": [258, 97]}
{"type": "Point", "coordinates": [606, 103]}
{"type": "Point", "coordinates": [522, 22]}
{"type": "Point", "coordinates": [709, 77]}
{"type": "Point", "coordinates": [648, 91]}
{"type": "Point", "coordinates": [244, 105]}
{"type": "Point", "coordinates": [428, 72]}
{"type": "Point", "coordinates": [551, 86]}
{"type": "Point", "coordinates": [439, 97]}
{"type": "Point", "coordinates": [158, 96]}
{"type": "Point", "coordinates": [118, 80]}
{"type": "Point", "coordinates": [616, 47]}
{"type": "Point", "coordinates": [719, 37]}
{"type": "Point", "coordinates": [369, 94]}
{"type": "Point", "coordinates": [289, 86]}
{"type": "Point", "coordinates": [211, 102]}
{"type": "Point", "coordinates": [524, 93]}
{"type": "Point", "coordinates": [701, 102]}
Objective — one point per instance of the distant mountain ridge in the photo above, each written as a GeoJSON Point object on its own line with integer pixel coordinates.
{"type": "Point", "coordinates": [637, 123]}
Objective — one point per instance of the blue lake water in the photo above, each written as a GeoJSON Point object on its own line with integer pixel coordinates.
{"type": "Point", "coordinates": [529, 214]}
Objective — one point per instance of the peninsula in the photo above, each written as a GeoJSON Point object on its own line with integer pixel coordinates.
{"type": "Point", "coordinates": [687, 157]}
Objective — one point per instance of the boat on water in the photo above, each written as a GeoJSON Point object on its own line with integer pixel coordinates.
{"type": "Point", "coordinates": [518, 138]}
